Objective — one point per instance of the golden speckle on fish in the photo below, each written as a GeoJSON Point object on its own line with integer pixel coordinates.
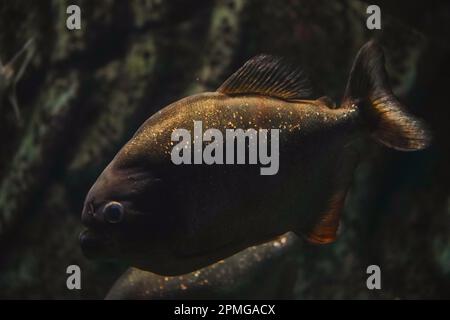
{"type": "Point", "coordinates": [178, 218]}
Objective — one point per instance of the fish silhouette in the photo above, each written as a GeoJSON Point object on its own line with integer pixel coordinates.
{"type": "Point", "coordinates": [173, 219]}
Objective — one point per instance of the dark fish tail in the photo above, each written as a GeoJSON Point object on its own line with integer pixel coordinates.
{"type": "Point", "coordinates": [368, 88]}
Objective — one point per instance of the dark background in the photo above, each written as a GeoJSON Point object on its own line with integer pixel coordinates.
{"type": "Point", "coordinates": [86, 91]}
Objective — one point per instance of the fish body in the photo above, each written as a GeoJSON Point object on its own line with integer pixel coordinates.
{"type": "Point", "coordinates": [173, 219]}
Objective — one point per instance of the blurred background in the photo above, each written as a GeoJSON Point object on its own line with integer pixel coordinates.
{"type": "Point", "coordinates": [84, 93]}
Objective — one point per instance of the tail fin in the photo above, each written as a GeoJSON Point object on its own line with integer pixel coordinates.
{"type": "Point", "coordinates": [368, 88]}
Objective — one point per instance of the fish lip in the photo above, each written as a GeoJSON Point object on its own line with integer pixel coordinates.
{"type": "Point", "coordinates": [94, 244]}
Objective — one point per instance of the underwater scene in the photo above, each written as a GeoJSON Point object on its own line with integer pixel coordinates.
{"type": "Point", "coordinates": [224, 149]}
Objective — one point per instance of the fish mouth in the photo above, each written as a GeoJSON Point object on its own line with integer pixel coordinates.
{"type": "Point", "coordinates": [94, 244]}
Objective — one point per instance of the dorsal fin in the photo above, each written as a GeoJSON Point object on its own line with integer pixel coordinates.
{"type": "Point", "coordinates": [269, 76]}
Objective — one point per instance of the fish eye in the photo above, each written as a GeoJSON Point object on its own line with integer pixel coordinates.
{"type": "Point", "coordinates": [113, 212]}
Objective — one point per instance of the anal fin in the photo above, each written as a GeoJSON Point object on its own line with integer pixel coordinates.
{"type": "Point", "coordinates": [325, 230]}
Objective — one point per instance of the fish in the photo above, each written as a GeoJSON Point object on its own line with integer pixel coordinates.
{"type": "Point", "coordinates": [264, 271]}
{"type": "Point", "coordinates": [172, 219]}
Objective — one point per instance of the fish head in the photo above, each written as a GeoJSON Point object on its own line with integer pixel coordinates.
{"type": "Point", "coordinates": [123, 217]}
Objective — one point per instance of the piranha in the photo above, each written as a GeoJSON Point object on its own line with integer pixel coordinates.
{"type": "Point", "coordinates": [174, 219]}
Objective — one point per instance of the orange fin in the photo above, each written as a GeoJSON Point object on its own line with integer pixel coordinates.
{"type": "Point", "coordinates": [325, 231]}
